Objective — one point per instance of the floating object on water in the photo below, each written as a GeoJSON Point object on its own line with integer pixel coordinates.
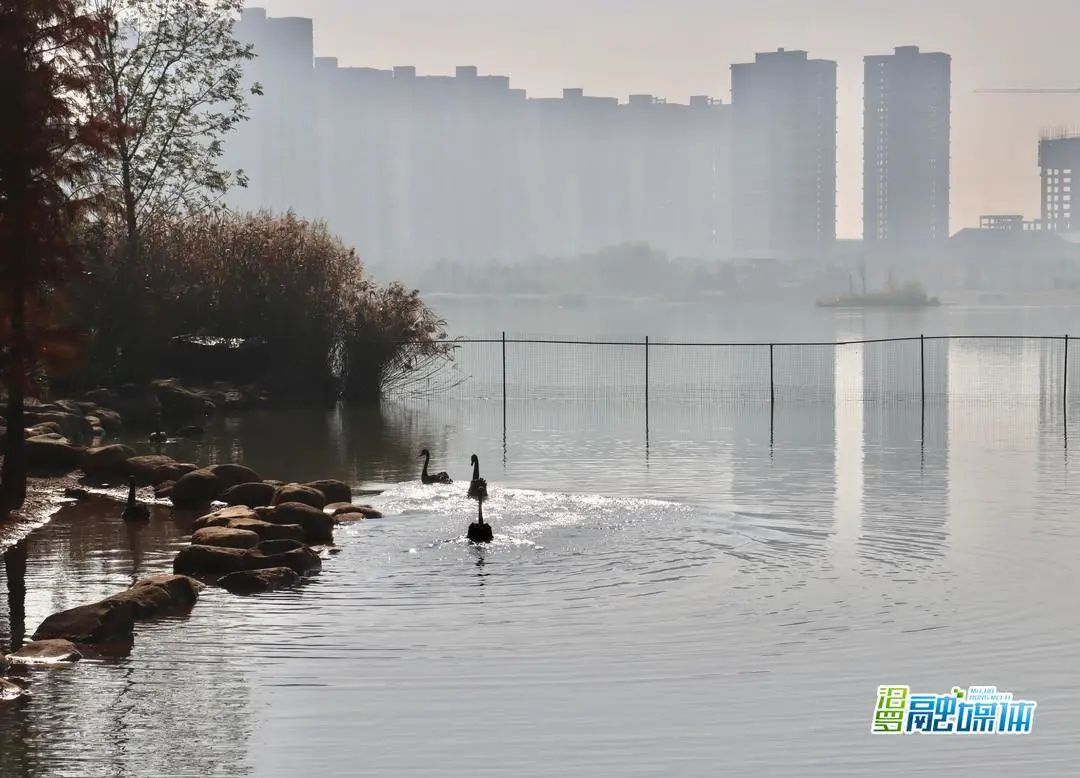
{"type": "Point", "coordinates": [134, 511]}
{"type": "Point", "coordinates": [437, 478]}
{"type": "Point", "coordinates": [479, 531]}
{"type": "Point", "coordinates": [478, 486]}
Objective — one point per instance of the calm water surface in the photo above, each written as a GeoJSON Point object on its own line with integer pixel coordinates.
{"type": "Point", "coordinates": [710, 602]}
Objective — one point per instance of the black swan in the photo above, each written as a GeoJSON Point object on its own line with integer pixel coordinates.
{"type": "Point", "coordinates": [479, 531]}
{"type": "Point", "coordinates": [133, 511]}
{"type": "Point", "coordinates": [437, 478]}
{"type": "Point", "coordinates": [478, 486]}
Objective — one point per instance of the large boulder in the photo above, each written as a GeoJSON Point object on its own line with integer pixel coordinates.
{"type": "Point", "coordinates": [45, 428]}
{"type": "Point", "coordinates": [211, 560]}
{"type": "Point", "coordinates": [145, 469]}
{"type": "Point", "coordinates": [302, 560]}
{"type": "Point", "coordinates": [318, 527]}
{"type": "Point", "coordinates": [333, 491]}
{"type": "Point", "coordinates": [45, 652]}
{"type": "Point", "coordinates": [349, 517]}
{"type": "Point", "coordinates": [179, 404]}
{"type": "Point", "coordinates": [108, 621]}
{"type": "Point", "coordinates": [268, 531]}
{"type": "Point", "coordinates": [299, 493]}
{"type": "Point", "coordinates": [222, 516]}
{"type": "Point", "coordinates": [109, 419]}
{"type": "Point", "coordinates": [215, 560]}
{"type": "Point", "coordinates": [159, 596]}
{"type": "Point", "coordinates": [271, 547]}
{"type": "Point", "coordinates": [103, 397]}
{"type": "Point", "coordinates": [250, 494]}
{"type": "Point", "coordinates": [257, 581]}
{"type": "Point", "coordinates": [367, 511]}
{"type": "Point", "coordinates": [225, 537]}
{"type": "Point", "coordinates": [107, 461]}
{"type": "Point", "coordinates": [196, 489]}
{"type": "Point", "coordinates": [232, 475]}
{"type": "Point", "coordinates": [45, 454]}
{"type": "Point", "coordinates": [74, 426]}
{"type": "Point", "coordinates": [172, 471]}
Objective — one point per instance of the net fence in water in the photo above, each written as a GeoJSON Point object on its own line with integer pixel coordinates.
{"type": "Point", "coordinates": [1006, 369]}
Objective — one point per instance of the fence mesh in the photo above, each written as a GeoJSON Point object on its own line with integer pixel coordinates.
{"type": "Point", "coordinates": [1007, 369]}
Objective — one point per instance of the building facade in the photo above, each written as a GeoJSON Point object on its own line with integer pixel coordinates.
{"type": "Point", "coordinates": [784, 155]}
{"type": "Point", "coordinates": [1059, 164]}
{"type": "Point", "coordinates": [414, 169]}
{"type": "Point", "coordinates": [906, 125]}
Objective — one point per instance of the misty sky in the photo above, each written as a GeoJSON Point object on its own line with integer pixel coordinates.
{"type": "Point", "coordinates": [676, 48]}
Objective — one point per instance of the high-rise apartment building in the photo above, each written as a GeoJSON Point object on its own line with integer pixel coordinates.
{"type": "Point", "coordinates": [906, 149]}
{"type": "Point", "coordinates": [411, 169]}
{"type": "Point", "coordinates": [784, 163]}
{"type": "Point", "coordinates": [1059, 162]}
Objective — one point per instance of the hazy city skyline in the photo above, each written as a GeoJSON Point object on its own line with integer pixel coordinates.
{"type": "Point", "coordinates": [618, 48]}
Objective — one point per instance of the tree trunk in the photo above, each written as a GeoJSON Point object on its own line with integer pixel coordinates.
{"type": "Point", "coordinates": [13, 471]}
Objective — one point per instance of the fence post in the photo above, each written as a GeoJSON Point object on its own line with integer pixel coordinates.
{"type": "Point", "coordinates": [504, 381]}
{"type": "Point", "coordinates": [922, 386]}
{"type": "Point", "coordinates": [646, 389]}
{"type": "Point", "coordinates": [1065, 377]}
{"type": "Point", "coordinates": [772, 387]}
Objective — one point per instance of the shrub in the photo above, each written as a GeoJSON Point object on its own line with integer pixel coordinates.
{"type": "Point", "coordinates": [222, 280]}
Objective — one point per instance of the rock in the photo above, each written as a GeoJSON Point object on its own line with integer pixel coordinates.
{"type": "Point", "coordinates": [271, 547]}
{"type": "Point", "coordinates": [258, 581]}
{"type": "Point", "coordinates": [333, 491]}
{"type": "Point", "coordinates": [77, 493]}
{"type": "Point", "coordinates": [268, 531]}
{"type": "Point", "coordinates": [233, 475]}
{"type": "Point", "coordinates": [318, 527]}
{"type": "Point", "coordinates": [144, 469]}
{"type": "Point", "coordinates": [216, 560]}
{"type": "Point", "coordinates": [338, 507]}
{"type": "Point", "coordinates": [100, 397]}
{"type": "Point", "coordinates": [302, 560]}
{"type": "Point", "coordinates": [182, 591]}
{"type": "Point", "coordinates": [45, 652]}
{"type": "Point", "coordinates": [106, 461]}
{"type": "Point", "coordinates": [179, 404]}
{"type": "Point", "coordinates": [110, 420]}
{"type": "Point", "coordinates": [297, 493]}
{"type": "Point", "coordinates": [196, 489]}
{"type": "Point", "coordinates": [367, 511]}
{"type": "Point", "coordinates": [348, 517]}
{"type": "Point", "coordinates": [53, 456]}
{"type": "Point", "coordinates": [225, 537]}
{"type": "Point", "coordinates": [48, 428]}
{"type": "Point", "coordinates": [72, 425]}
{"type": "Point", "coordinates": [222, 517]}
{"type": "Point", "coordinates": [99, 433]}
{"type": "Point", "coordinates": [108, 621]}
{"type": "Point", "coordinates": [250, 494]}
{"type": "Point", "coordinates": [164, 491]}
{"type": "Point", "coordinates": [212, 560]}
{"type": "Point", "coordinates": [68, 406]}
{"type": "Point", "coordinates": [11, 691]}
{"type": "Point", "coordinates": [173, 471]}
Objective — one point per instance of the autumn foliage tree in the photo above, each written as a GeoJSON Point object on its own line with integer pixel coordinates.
{"type": "Point", "coordinates": [45, 134]}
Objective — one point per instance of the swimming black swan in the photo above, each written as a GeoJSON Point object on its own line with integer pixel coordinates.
{"type": "Point", "coordinates": [437, 478]}
{"type": "Point", "coordinates": [479, 530]}
{"type": "Point", "coordinates": [478, 486]}
{"type": "Point", "coordinates": [133, 511]}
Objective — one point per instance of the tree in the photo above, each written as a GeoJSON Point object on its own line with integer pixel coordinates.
{"type": "Point", "coordinates": [170, 80]}
{"type": "Point", "coordinates": [46, 137]}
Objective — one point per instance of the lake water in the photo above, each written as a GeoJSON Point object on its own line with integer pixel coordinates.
{"type": "Point", "coordinates": [725, 595]}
